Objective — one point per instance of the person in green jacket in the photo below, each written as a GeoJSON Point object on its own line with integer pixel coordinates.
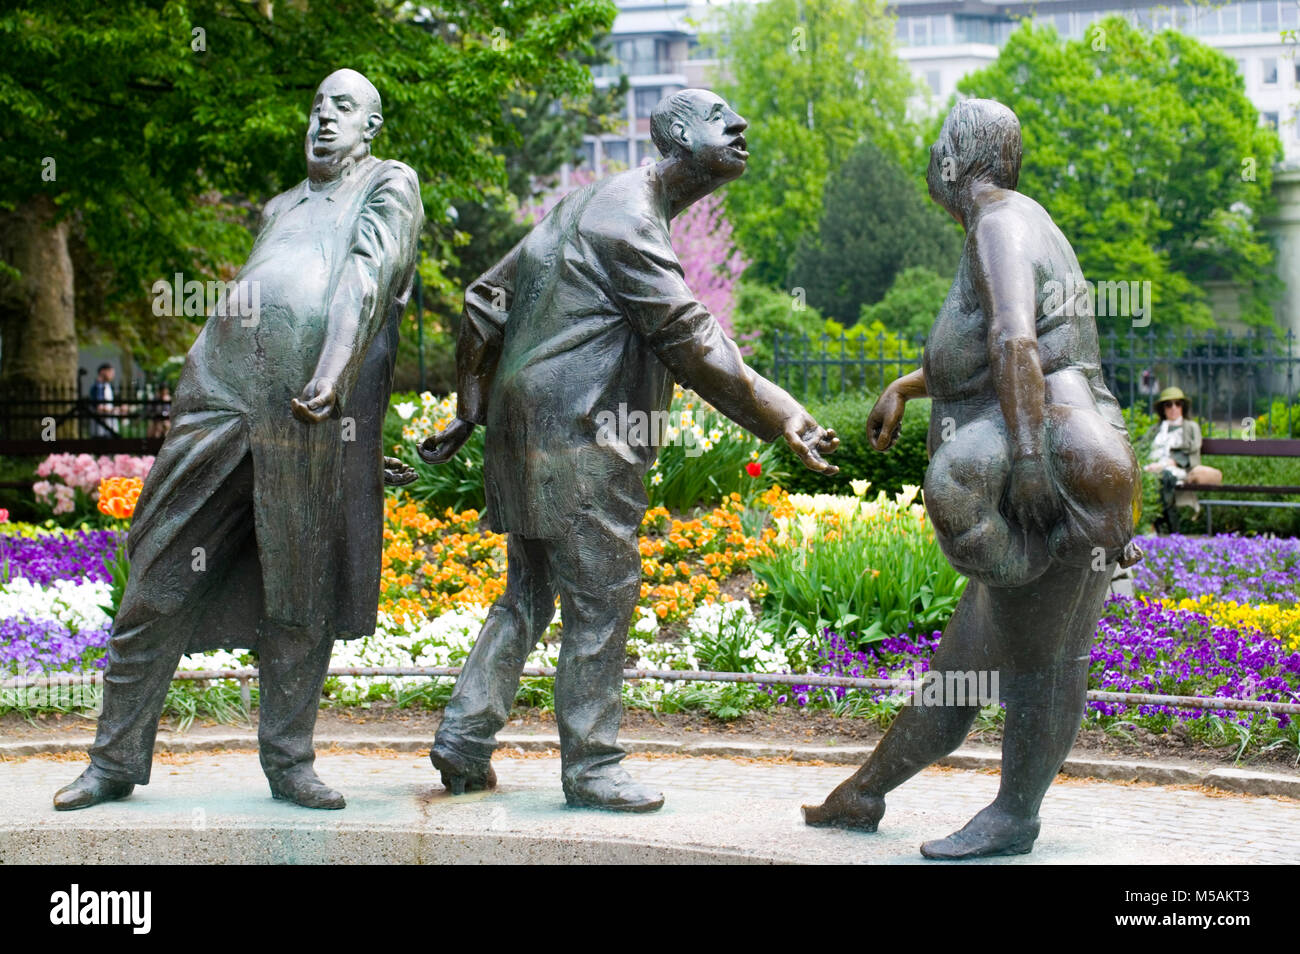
{"type": "Point", "coordinates": [1175, 449]}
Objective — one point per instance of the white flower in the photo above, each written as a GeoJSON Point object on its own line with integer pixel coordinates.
{"type": "Point", "coordinates": [859, 486]}
{"type": "Point", "coordinates": [77, 605]}
{"type": "Point", "coordinates": [405, 410]}
{"type": "Point", "coordinates": [657, 479]}
{"type": "Point", "coordinates": [907, 494]}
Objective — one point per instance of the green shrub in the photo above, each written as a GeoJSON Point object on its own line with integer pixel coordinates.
{"type": "Point", "coordinates": [904, 463]}
{"type": "Point", "coordinates": [911, 304]}
{"type": "Point", "coordinates": [760, 311]}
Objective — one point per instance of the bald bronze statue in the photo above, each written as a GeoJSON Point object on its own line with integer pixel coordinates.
{"type": "Point", "coordinates": [1032, 489]}
{"type": "Point", "coordinates": [260, 525]}
{"type": "Point", "coordinates": [590, 316]}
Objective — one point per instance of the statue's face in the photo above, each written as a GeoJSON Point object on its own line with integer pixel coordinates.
{"type": "Point", "coordinates": [712, 133]}
{"type": "Point", "coordinates": [343, 119]}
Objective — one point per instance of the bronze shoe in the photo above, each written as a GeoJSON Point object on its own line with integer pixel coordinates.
{"type": "Point", "coordinates": [302, 787]}
{"type": "Point", "coordinates": [91, 788]}
{"type": "Point", "coordinates": [459, 778]}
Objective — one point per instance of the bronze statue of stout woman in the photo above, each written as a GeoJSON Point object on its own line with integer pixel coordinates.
{"type": "Point", "coordinates": [1032, 489]}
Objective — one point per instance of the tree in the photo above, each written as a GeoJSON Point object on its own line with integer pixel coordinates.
{"type": "Point", "coordinates": [813, 77]}
{"type": "Point", "coordinates": [911, 304]}
{"type": "Point", "coordinates": [122, 114]}
{"type": "Point", "coordinates": [1150, 157]}
{"type": "Point", "coordinates": [874, 225]}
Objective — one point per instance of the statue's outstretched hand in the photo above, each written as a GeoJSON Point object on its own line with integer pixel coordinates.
{"type": "Point", "coordinates": [397, 473]}
{"type": "Point", "coordinates": [885, 419]}
{"type": "Point", "coordinates": [316, 402]}
{"type": "Point", "coordinates": [441, 447]}
{"type": "Point", "coordinates": [1031, 497]}
{"type": "Point", "coordinates": [809, 440]}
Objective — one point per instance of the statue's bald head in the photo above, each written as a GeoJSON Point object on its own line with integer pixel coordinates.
{"type": "Point", "coordinates": [346, 114]}
{"type": "Point", "coordinates": [357, 86]}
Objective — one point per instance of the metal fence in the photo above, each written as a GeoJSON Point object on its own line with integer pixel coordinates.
{"type": "Point", "coordinates": [1238, 385]}
{"type": "Point", "coordinates": [52, 420]}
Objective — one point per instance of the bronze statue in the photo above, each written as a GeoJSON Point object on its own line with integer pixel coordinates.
{"type": "Point", "coordinates": [1032, 489]}
{"type": "Point", "coordinates": [587, 315]}
{"type": "Point", "coordinates": [261, 523]}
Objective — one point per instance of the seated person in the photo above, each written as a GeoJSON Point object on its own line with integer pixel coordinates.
{"type": "Point", "coordinates": [1175, 452]}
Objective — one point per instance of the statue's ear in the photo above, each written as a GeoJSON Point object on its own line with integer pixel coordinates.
{"type": "Point", "coordinates": [374, 122]}
{"type": "Point", "coordinates": [679, 133]}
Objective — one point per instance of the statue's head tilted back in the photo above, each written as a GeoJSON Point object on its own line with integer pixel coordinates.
{"type": "Point", "coordinates": [979, 141]}
{"type": "Point", "coordinates": [346, 114]}
{"type": "Point", "coordinates": [698, 127]}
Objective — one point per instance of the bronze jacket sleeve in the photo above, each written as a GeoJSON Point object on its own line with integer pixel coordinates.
{"type": "Point", "coordinates": [647, 281]}
{"type": "Point", "coordinates": [482, 331]}
{"type": "Point", "coordinates": [380, 258]}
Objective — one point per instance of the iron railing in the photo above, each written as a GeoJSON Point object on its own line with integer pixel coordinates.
{"type": "Point", "coordinates": [66, 419]}
{"type": "Point", "coordinates": [1237, 384]}
{"type": "Point", "coordinates": [905, 686]}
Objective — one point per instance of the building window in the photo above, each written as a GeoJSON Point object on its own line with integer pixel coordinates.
{"type": "Point", "coordinates": [587, 153]}
{"type": "Point", "coordinates": [1249, 17]}
{"type": "Point", "coordinates": [616, 150]}
{"type": "Point", "coordinates": [1268, 70]}
{"type": "Point", "coordinates": [647, 98]}
{"type": "Point", "coordinates": [935, 79]}
{"type": "Point", "coordinates": [1270, 120]}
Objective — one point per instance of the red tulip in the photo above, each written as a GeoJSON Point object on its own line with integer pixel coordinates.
{"type": "Point", "coordinates": [753, 468]}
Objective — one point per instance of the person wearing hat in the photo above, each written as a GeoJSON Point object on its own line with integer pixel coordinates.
{"type": "Point", "coordinates": [1175, 451]}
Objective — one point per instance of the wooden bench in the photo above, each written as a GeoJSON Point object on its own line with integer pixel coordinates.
{"type": "Point", "coordinates": [1237, 447]}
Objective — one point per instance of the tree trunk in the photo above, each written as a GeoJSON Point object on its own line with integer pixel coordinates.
{"type": "Point", "coordinates": [38, 333]}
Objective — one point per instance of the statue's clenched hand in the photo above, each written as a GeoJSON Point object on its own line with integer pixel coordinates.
{"type": "Point", "coordinates": [885, 419]}
{"type": "Point", "coordinates": [1030, 495]}
{"type": "Point", "coordinates": [317, 401]}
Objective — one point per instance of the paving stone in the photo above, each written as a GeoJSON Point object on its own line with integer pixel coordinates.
{"type": "Point", "coordinates": [214, 807]}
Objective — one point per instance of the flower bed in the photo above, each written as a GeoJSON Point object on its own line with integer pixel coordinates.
{"type": "Point", "coordinates": [1213, 616]}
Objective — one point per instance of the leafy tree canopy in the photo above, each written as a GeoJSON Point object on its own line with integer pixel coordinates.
{"type": "Point", "coordinates": [1150, 157]}
{"type": "Point", "coordinates": [875, 224]}
{"type": "Point", "coordinates": [151, 112]}
{"type": "Point", "coordinates": [814, 78]}
{"type": "Point", "coordinates": [911, 304]}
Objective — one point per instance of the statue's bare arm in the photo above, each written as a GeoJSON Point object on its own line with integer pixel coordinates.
{"type": "Point", "coordinates": [1003, 274]}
